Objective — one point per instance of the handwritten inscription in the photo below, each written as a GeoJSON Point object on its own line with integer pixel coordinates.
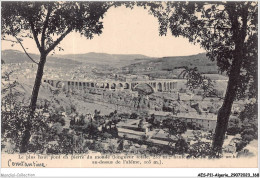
{"type": "Point", "coordinates": [35, 164]}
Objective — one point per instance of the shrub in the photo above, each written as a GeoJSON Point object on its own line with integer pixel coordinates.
{"type": "Point", "coordinates": [133, 116]}
{"type": "Point", "coordinates": [112, 146]}
{"type": "Point", "coordinates": [234, 126]}
{"type": "Point", "coordinates": [143, 139]}
{"type": "Point", "coordinates": [181, 146]}
{"type": "Point", "coordinates": [240, 145]}
{"type": "Point", "coordinates": [106, 135]}
{"type": "Point", "coordinates": [97, 146]}
{"type": "Point", "coordinates": [153, 150]}
{"type": "Point", "coordinates": [247, 137]}
{"type": "Point", "coordinates": [57, 118]}
{"type": "Point", "coordinates": [249, 130]}
{"type": "Point", "coordinates": [114, 132]}
{"type": "Point", "coordinates": [200, 150]}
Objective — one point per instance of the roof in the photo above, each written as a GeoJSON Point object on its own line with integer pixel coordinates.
{"type": "Point", "coordinates": [190, 115]}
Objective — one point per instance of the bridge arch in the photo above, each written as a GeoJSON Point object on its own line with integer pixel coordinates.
{"type": "Point", "coordinates": [120, 85]}
{"type": "Point", "coordinates": [102, 85]}
{"type": "Point", "coordinates": [52, 83]}
{"type": "Point", "coordinates": [113, 86]}
{"type": "Point", "coordinates": [159, 87]}
{"type": "Point", "coordinates": [144, 85]}
{"type": "Point", "coordinates": [49, 82]}
{"type": "Point", "coordinates": [59, 84]}
{"type": "Point", "coordinates": [126, 86]}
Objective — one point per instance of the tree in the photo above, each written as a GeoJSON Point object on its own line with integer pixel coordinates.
{"type": "Point", "coordinates": [250, 122]}
{"type": "Point", "coordinates": [234, 126]}
{"type": "Point", "coordinates": [48, 23]}
{"type": "Point", "coordinates": [174, 127]}
{"type": "Point", "coordinates": [133, 116]}
{"type": "Point", "coordinates": [228, 31]}
{"type": "Point", "coordinates": [181, 146]}
{"type": "Point", "coordinates": [7, 75]}
{"type": "Point", "coordinates": [141, 124]}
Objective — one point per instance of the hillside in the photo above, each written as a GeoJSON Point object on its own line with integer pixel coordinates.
{"type": "Point", "coordinates": [116, 60]}
{"type": "Point", "coordinates": [200, 61]}
{"type": "Point", "coordinates": [15, 56]}
{"type": "Point", "coordinates": [130, 63]}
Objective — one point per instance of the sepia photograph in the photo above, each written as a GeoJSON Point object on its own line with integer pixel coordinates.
{"type": "Point", "coordinates": [129, 84]}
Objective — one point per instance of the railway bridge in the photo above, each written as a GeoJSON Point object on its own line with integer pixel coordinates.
{"type": "Point", "coordinates": [159, 85]}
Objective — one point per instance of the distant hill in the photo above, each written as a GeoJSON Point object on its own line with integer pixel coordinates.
{"type": "Point", "coordinates": [200, 61]}
{"type": "Point", "coordinates": [136, 63]}
{"type": "Point", "coordinates": [15, 56]}
{"type": "Point", "coordinates": [116, 60]}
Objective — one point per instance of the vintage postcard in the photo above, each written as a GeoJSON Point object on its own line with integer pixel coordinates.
{"type": "Point", "coordinates": [113, 84]}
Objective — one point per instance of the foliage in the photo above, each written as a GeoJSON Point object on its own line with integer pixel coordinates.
{"type": "Point", "coordinates": [13, 116]}
{"type": "Point", "coordinates": [234, 126]}
{"type": "Point", "coordinates": [250, 111]}
{"type": "Point", "coordinates": [240, 145]}
{"type": "Point", "coordinates": [120, 144]}
{"type": "Point", "coordinates": [144, 138]}
{"type": "Point", "coordinates": [199, 149]}
{"type": "Point", "coordinates": [181, 146]}
{"type": "Point", "coordinates": [141, 124]}
{"type": "Point", "coordinates": [48, 134]}
{"type": "Point", "coordinates": [174, 126]}
{"type": "Point", "coordinates": [52, 19]}
{"type": "Point", "coordinates": [106, 135]}
{"type": "Point", "coordinates": [249, 129]}
{"type": "Point", "coordinates": [114, 132]}
{"type": "Point", "coordinates": [133, 116]}
{"type": "Point", "coordinates": [168, 109]}
{"type": "Point", "coordinates": [193, 126]}
{"type": "Point", "coordinates": [153, 150]}
{"type": "Point", "coordinates": [57, 118]}
{"type": "Point", "coordinates": [196, 80]}
{"type": "Point", "coordinates": [154, 123]}
{"type": "Point", "coordinates": [13, 124]}
{"type": "Point", "coordinates": [228, 32]}
{"type": "Point", "coordinates": [48, 23]}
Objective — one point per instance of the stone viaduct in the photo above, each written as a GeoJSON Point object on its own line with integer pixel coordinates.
{"type": "Point", "coordinates": [159, 85]}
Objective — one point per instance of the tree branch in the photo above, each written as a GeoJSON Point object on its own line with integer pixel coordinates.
{"type": "Point", "coordinates": [18, 41]}
{"type": "Point", "coordinates": [9, 40]}
{"type": "Point", "coordinates": [45, 25]}
{"type": "Point", "coordinates": [25, 50]}
{"type": "Point", "coordinates": [58, 41]}
{"type": "Point", "coordinates": [35, 36]}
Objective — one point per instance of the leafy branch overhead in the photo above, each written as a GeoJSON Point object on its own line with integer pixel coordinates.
{"type": "Point", "coordinates": [228, 31]}
{"type": "Point", "coordinates": [49, 22]}
{"type": "Point", "coordinates": [217, 27]}
{"type": "Point", "coordinates": [196, 80]}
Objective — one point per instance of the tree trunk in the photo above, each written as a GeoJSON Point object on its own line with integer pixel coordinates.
{"type": "Point", "coordinates": [225, 110]}
{"type": "Point", "coordinates": [234, 75]}
{"type": "Point", "coordinates": [223, 117]}
{"type": "Point", "coordinates": [37, 82]}
{"type": "Point", "coordinates": [27, 133]}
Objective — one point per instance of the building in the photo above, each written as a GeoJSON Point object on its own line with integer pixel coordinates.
{"type": "Point", "coordinates": [206, 122]}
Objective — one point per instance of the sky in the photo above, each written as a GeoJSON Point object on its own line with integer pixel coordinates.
{"type": "Point", "coordinates": [125, 31]}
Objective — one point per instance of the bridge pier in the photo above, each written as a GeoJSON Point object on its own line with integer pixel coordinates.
{"type": "Point", "coordinates": [157, 86]}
